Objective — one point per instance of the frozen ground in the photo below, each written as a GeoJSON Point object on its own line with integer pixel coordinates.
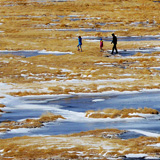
{"type": "Point", "coordinates": [31, 53]}
{"type": "Point", "coordinates": [131, 52]}
{"type": "Point", "coordinates": [126, 38]}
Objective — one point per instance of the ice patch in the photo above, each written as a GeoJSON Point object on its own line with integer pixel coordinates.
{"type": "Point", "coordinates": [149, 134]}
{"type": "Point", "coordinates": [98, 100]}
{"type": "Point", "coordinates": [136, 155]}
{"type": "Point", "coordinates": [4, 88]}
{"type": "Point", "coordinates": [101, 81]}
{"type": "Point", "coordinates": [152, 158]}
{"type": "Point", "coordinates": [1, 151]}
{"type": "Point", "coordinates": [154, 116]}
{"type": "Point", "coordinates": [29, 53]}
{"type": "Point", "coordinates": [66, 70]}
{"type": "Point", "coordinates": [158, 68]}
{"type": "Point", "coordinates": [92, 40]}
{"type": "Point", "coordinates": [155, 145]}
{"type": "Point", "coordinates": [52, 68]}
{"type": "Point", "coordinates": [35, 107]}
{"type": "Point", "coordinates": [23, 61]}
{"type": "Point", "coordinates": [46, 97]}
{"type": "Point", "coordinates": [54, 52]}
{"type": "Point", "coordinates": [20, 130]}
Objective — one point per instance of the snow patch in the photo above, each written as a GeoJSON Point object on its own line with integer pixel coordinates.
{"type": "Point", "coordinates": [136, 155]}
{"type": "Point", "coordinates": [149, 134]}
{"type": "Point", "coordinates": [54, 52]}
{"type": "Point", "coordinates": [98, 100]}
{"type": "Point", "coordinates": [155, 145]}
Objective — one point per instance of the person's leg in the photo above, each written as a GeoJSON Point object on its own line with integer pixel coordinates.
{"type": "Point", "coordinates": [112, 50]}
{"type": "Point", "coordinates": [102, 48]}
{"type": "Point", "coordinates": [116, 48]}
{"type": "Point", "coordinates": [78, 47]}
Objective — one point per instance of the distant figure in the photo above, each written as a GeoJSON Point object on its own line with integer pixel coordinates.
{"type": "Point", "coordinates": [114, 41]}
{"type": "Point", "coordinates": [79, 43]}
{"type": "Point", "coordinates": [101, 44]}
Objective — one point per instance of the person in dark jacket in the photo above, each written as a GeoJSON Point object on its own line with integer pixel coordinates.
{"type": "Point", "coordinates": [79, 43]}
{"type": "Point", "coordinates": [114, 41]}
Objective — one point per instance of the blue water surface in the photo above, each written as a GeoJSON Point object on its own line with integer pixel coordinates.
{"type": "Point", "coordinates": [80, 104]}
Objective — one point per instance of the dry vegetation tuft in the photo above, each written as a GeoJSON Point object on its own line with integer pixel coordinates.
{"type": "Point", "coordinates": [29, 123]}
{"type": "Point", "coordinates": [105, 133]}
{"type": "Point", "coordinates": [48, 117]}
{"type": "Point", "coordinates": [2, 105]}
{"type": "Point", "coordinates": [124, 113]}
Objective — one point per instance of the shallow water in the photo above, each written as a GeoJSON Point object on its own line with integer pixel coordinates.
{"type": "Point", "coordinates": [74, 107]}
{"type": "Point", "coordinates": [125, 53]}
{"type": "Point", "coordinates": [86, 30]}
{"type": "Point", "coordinates": [132, 38]}
{"type": "Point", "coordinates": [32, 53]}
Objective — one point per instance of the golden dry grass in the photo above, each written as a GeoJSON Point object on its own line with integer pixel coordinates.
{"type": "Point", "coordinates": [90, 144]}
{"type": "Point", "coordinates": [24, 72]}
{"type": "Point", "coordinates": [108, 133]}
{"type": "Point", "coordinates": [48, 117]}
{"type": "Point", "coordinates": [29, 123]}
{"type": "Point", "coordinates": [124, 113]}
{"type": "Point", "coordinates": [31, 31]}
{"type": "Point", "coordinates": [2, 105]}
{"type": "Point", "coordinates": [28, 26]}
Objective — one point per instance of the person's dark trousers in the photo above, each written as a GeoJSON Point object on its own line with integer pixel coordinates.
{"type": "Point", "coordinates": [114, 48]}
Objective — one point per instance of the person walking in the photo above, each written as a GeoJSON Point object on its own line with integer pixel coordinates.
{"type": "Point", "coordinates": [101, 44]}
{"type": "Point", "coordinates": [79, 43]}
{"type": "Point", "coordinates": [114, 41]}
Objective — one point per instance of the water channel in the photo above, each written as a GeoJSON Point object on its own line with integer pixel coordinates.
{"type": "Point", "coordinates": [73, 108]}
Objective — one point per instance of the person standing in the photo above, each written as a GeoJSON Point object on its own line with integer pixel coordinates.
{"type": "Point", "coordinates": [101, 44]}
{"type": "Point", "coordinates": [79, 43]}
{"type": "Point", "coordinates": [114, 41]}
